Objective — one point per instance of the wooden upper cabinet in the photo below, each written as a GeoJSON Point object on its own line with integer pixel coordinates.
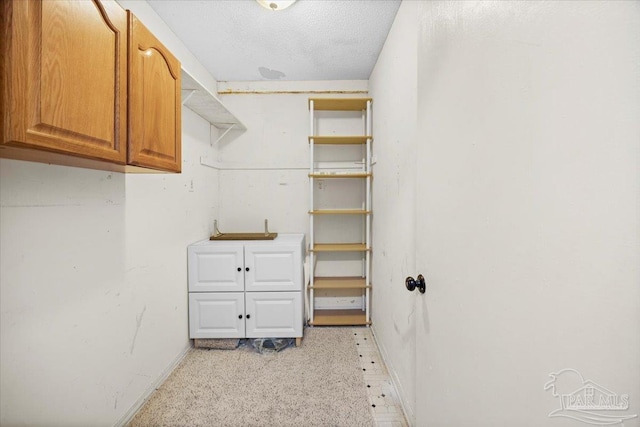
{"type": "Point", "coordinates": [154, 102]}
{"type": "Point", "coordinates": [85, 84]}
{"type": "Point", "coordinates": [64, 78]}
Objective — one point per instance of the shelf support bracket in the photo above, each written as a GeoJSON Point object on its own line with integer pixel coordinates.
{"type": "Point", "coordinates": [224, 134]}
{"type": "Point", "coordinates": [186, 98]}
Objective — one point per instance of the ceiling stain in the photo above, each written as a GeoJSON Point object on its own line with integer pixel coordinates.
{"type": "Point", "coordinates": [313, 40]}
{"type": "Point", "coordinates": [270, 74]}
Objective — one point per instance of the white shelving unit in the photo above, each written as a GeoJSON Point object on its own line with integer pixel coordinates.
{"type": "Point", "coordinates": [350, 210]}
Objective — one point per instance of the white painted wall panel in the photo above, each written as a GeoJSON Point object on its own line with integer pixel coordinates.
{"type": "Point", "coordinates": [530, 238]}
{"type": "Point", "coordinates": [393, 86]}
{"type": "Point", "coordinates": [265, 169]}
{"type": "Point", "coordinates": [93, 290]}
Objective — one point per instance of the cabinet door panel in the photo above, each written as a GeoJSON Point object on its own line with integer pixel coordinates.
{"type": "Point", "coordinates": [214, 268]}
{"type": "Point", "coordinates": [273, 268]}
{"type": "Point", "coordinates": [216, 315]}
{"type": "Point", "coordinates": [66, 77]}
{"type": "Point", "coordinates": [154, 102]}
{"type": "Point", "coordinates": [274, 314]}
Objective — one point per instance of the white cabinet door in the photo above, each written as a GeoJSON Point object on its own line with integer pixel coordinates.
{"type": "Point", "coordinates": [216, 315]}
{"type": "Point", "coordinates": [273, 268]}
{"type": "Point", "coordinates": [216, 268]}
{"type": "Point", "coordinates": [273, 314]}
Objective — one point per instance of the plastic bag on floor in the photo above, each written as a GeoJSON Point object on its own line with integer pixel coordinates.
{"type": "Point", "coordinates": [271, 345]}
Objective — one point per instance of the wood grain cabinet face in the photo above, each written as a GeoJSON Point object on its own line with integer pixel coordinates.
{"type": "Point", "coordinates": [154, 102]}
{"type": "Point", "coordinates": [85, 84]}
{"type": "Point", "coordinates": [64, 79]}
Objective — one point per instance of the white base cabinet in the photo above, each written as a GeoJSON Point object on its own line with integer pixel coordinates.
{"type": "Point", "coordinates": [246, 289]}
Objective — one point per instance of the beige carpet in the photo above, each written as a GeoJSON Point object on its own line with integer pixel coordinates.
{"type": "Point", "coordinates": [317, 384]}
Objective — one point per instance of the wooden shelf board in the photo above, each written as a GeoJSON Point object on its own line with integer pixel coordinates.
{"type": "Point", "coordinates": [339, 212]}
{"type": "Point", "coordinates": [339, 104]}
{"type": "Point", "coordinates": [339, 318]}
{"type": "Point", "coordinates": [339, 247]}
{"type": "Point", "coordinates": [340, 140]}
{"type": "Point", "coordinates": [340, 175]}
{"type": "Point", "coordinates": [339, 283]}
{"type": "Point", "coordinates": [244, 236]}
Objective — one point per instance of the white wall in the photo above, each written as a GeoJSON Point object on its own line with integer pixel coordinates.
{"type": "Point", "coordinates": [264, 171]}
{"type": "Point", "coordinates": [529, 204]}
{"type": "Point", "coordinates": [265, 168]}
{"type": "Point", "coordinates": [93, 301]}
{"type": "Point", "coordinates": [393, 86]}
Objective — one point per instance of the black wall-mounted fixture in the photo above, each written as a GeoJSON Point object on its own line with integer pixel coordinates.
{"type": "Point", "coordinates": [419, 283]}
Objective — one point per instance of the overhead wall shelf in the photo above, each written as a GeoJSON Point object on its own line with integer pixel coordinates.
{"type": "Point", "coordinates": [207, 105]}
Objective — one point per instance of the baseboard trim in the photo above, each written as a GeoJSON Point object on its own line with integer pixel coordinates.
{"type": "Point", "coordinates": [402, 393]}
{"type": "Point", "coordinates": [153, 387]}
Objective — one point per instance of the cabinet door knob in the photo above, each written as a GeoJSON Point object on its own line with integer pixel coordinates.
{"type": "Point", "coordinates": [248, 316]}
{"type": "Point", "coordinates": [246, 269]}
{"type": "Point", "coordinates": [239, 269]}
{"type": "Point", "coordinates": [239, 316]}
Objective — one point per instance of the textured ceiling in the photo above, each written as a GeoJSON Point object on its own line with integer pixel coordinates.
{"type": "Point", "coordinates": [239, 40]}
